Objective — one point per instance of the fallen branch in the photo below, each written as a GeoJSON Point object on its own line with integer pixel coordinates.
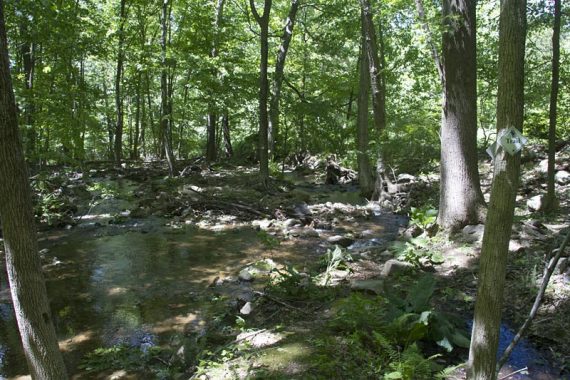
{"type": "Point", "coordinates": [548, 270]}
{"type": "Point", "coordinates": [514, 373]}
{"type": "Point", "coordinates": [229, 204]}
{"type": "Point", "coordinates": [282, 303]}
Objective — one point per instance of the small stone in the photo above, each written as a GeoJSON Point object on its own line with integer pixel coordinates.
{"type": "Point", "coordinates": [562, 177]}
{"type": "Point", "coordinates": [543, 166]}
{"type": "Point", "coordinates": [372, 286]}
{"type": "Point", "coordinates": [291, 222]}
{"type": "Point", "coordinates": [515, 246]}
{"type": "Point", "coordinates": [343, 241]}
{"type": "Point", "coordinates": [562, 265]}
{"type": "Point", "coordinates": [395, 267]}
{"type": "Point", "coordinates": [246, 309]}
{"type": "Point", "coordinates": [535, 203]}
{"type": "Point", "coordinates": [245, 275]}
{"type": "Point", "coordinates": [474, 233]}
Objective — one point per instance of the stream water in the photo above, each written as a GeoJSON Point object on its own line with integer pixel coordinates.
{"type": "Point", "coordinates": [139, 282]}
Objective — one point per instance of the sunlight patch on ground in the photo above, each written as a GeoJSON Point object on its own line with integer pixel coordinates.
{"type": "Point", "coordinates": [69, 344]}
{"type": "Point", "coordinates": [176, 323]}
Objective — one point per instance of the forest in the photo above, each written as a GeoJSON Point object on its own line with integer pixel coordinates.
{"type": "Point", "coordinates": [284, 189]}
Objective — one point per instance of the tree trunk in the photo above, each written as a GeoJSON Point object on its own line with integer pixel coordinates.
{"type": "Point", "coordinates": [365, 178]}
{"type": "Point", "coordinates": [166, 105]}
{"type": "Point", "coordinates": [118, 83]}
{"type": "Point", "coordinates": [211, 118]}
{"type": "Point", "coordinates": [427, 31]}
{"type": "Point", "coordinates": [374, 68]}
{"type": "Point", "coordinates": [461, 201]}
{"type": "Point", "coordinates": [551, 203]}
{"type": "Point", "coordinates": [226, 133]}
{"type": "Point", "coordinates": [494, 252]}
{"type": "Point", "coordinates": [28, 63]}
{"type": "Point", "coordinates": [23, 265]}
{"type": "Point", "coordinates": [138, 120]}
{"type": "Point", "coordinates": [278, 76]}
{"type": "Point", "coordinates": [263, 154]}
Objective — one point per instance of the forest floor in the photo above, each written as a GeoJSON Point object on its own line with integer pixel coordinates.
{"type": "Point", "coordinates": [323, 272]}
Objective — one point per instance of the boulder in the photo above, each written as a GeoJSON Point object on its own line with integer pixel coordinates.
{"type": "Point", "coordinates": [536, 203]}
{"type": "Point", "coordinates": [474, 232]}
{"type": "Point", "coordinates": [343, 241]}
{"type": "Point", "coordinates": [562, 177]}
{"type": "Point", "coordinates": [395, 267]}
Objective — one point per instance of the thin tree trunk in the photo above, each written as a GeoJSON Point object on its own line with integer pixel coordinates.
{"type": "Point", "coordinates": [263, 154]}
{"type": "Point", "coordinates": [110, 125]}
{"type": "Point", "coordinates": [461, 201]}
{"type": "Point", "coordinates": [498, 226]}
{"type": "Point", "coordinates": [273, 127]}
{"type": "Point", "coordinates": [166, 105]}
{"type": "Point", "coordinates": [29, 295]}
{"type": "Point", "coordinates": [374, 68]}
{"type": "Point", "coordinates": [551, 203]}
{"type": "Point", "coordinates": [434, 51]}
{"type": "Point", "coordinates": [226, 133]}
{"type": "Point", "coordinates": [365, 178]}
{"type": "Point", "coordinates": [118, 83]}
{"type": "Point", "coordinates": [28, 60]}
{"type": "Point", "coordinates": [136, 137]}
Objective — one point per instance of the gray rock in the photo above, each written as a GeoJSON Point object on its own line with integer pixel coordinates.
{"type": "Point", "coordinates": [291, 222]}
{"type": "Point", "coordinates": [515, 246]}
{"type": "Point", "coordinates": [562, 177]}
{"type": "Point", "coordinates": [474, 232]}
{"type": "Point", "coordinates": [562, 265]}
{"type": "Point", "coordinates": [543, 166]}
{"type": "Point", "coordinates": [343, 241]}
{"type": "Point", "coordinates": [245, 275]}
{"type": "Point", "coordinates": [371, 286]}
{"type": "Point", "coordinates": [396, 267]}
{"type": "Point", "coordinates": [535, 203]}
{"type": "Point", "coordinates": [246, 309]}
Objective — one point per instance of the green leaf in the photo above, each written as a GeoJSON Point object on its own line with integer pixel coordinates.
{"type": "Point", "coordinates": [394, 375]}
{"type": "Point", "coordinates": [445, 344]}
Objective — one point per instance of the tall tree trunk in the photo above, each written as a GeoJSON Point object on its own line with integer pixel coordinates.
{"type": "Point", "coordinates": [138, 120]}
{"type": "Point", "coordinates": [425, 26]}
{"type": "Point", "coordinates": [273, 127]}
{"type": "Point", "coordinates": [110, 125]}
{"type": "Point", "coordinates": [28, 63]}
{"type": "Point", "coordinates": [118, 83]}
{"type": "Point", "coordinates": [263, 153]}
{"type": "Point", "coordinates": [211, 147]}
{"type": "Point", "coordinates": [365, 178]}
{"type": "Point", "coordinates": [494, 252]}
{"type": "Point", "coordinates": [461, 201]}
{"type": "Point", "coordinates": [226, 132]}
{"type": "Point", "coordinates": [374, 68]}
{"type": "Point", "coordinates": [166, 89]}
{"type": "Point", "coordinates": [29, 295]}
{"type": "Point", "coordinates": [551, 203]}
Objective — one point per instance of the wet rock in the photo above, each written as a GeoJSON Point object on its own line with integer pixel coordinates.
{"type": "Point", "coordinates": [343, 241]}
{"type": "Point", "coordinates": [306, 232]}
{"type": "Point", "coordinates": [395, 267]}
{"type": "Point", "coordinates": [536, 203]}
{"type": "Point", "coordinates": [245, 275]}
{"type": "Point", "coordinates": [246, 309]}
{"type": "Point", "coordinates": [413, 232]}
{"type": "Point", "coordinates": [562, 177]}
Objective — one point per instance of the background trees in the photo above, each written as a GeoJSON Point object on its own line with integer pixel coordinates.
{"type": "Point", "coordinates": [25, 275]}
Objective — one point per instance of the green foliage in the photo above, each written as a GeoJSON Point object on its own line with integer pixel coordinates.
{"type": "Point", "coordinates": [423, 216]}
{"type": "Point", "coordinates": [334, 259]}
{"type": "Point", "coordinates": [416, 250]}
{"type": "Point", "coordinates": [270, 242]}
{"type": "Point", "coordinates": [153, 360]}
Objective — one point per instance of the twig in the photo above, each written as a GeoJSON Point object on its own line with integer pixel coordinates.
{"type": "Point", "coordinates": [278, 301]}
{"type": "Point", "coordinates": [235, 205]}
{"type": "Point", "coordinates": [548, 270]}
{"type": "Point", "coordinates": [514, 373]}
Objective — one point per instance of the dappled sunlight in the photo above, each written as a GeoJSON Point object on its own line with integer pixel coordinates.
{"type": "Point", "coordinates": [72, 343]}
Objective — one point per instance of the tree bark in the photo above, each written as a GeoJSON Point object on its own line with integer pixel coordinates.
{"type": "Point", "coordinates": [227, 136]}
{"type": "Point", "coordinates": [23, 265]}
{"type": "Point", "coordinates": [378, 99]}
{"type": "Point", "coordinates": [365, 178]}
{"type": "Point", "coordinates": [277, 84]}
{"type": "Point", "coordinates": [212, 117]}
{"type": "Point", "coordinates": [118, 84]}
{"type": "Point", "coordinates": [263, 153]}
{"type": "Point", "coordinates": [434, 51]}
{"type": "Point", "coordinates": [551, 203]}
{"type": "Point", "coordinates": [166, 102]}
{"type": "Point", "coordinates": [28, 50]}
{"type": "Point", "coordinates": [494, 252]}
{"type": "Point", "coordinates": [461, 201]}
